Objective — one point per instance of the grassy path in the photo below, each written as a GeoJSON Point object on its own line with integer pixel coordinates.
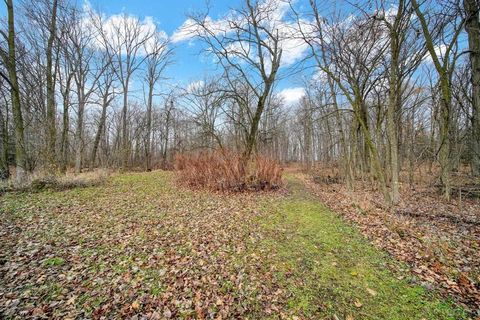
{"type": "Point", "coordinates": [141, 247]}
{"type": "Point", "coordinates": [334, 273]}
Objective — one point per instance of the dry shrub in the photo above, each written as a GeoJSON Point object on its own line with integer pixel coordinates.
{"type": "Point", "coordinates": [225, 171]}
{"type": "Point", "coordinates": [39, 181]}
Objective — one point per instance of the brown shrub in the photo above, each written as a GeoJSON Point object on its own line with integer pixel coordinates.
{"type": "Point", "coordinates": [225, 170]}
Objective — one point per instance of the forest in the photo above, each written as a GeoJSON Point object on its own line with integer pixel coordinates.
{"type": "Point", "coordinates": [305, 159]}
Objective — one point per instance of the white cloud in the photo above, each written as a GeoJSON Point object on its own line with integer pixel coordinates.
{"type": "Point", "coordinates": [440, 51]}
{"type": "Point", "coordinates": [120, 27]}
{"type": "Point", "coordinates": [195, 85]}
{"type": "Point", "coordinates": [189, 29]}
{"type": "Point", "coordinates": [292, 95]}
{"type": "Point", "coordinates": [186, 31]}
{"type": "Point", "coordinates": [294, 48]}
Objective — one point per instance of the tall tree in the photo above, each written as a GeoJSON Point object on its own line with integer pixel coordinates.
{"type": "Point", "coordinates": [158, 58]}
{"type": "Point", "coordinates": [10, 61]}
{"type": "Point", "coordinates": [248, 48]}
{"type": "Point", "coordinates": [51, 105]}
{"type": "Point", "coordinates": [106, 92]}
{"type": "Point", "coordinates": [90, 64]}
{"type": "Point", "coordinates": [472, 24]}
{"type": "Point", "coordinates": [405, 54]}
{"type": "Point", "coordinates": [444, 63]}
{"type": "Point", "coordinates": [126, 38]}
{"type": "Point", "coordinates": [359, 43]}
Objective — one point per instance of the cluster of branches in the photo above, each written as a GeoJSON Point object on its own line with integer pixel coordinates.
{"type": "Point", "coordinates": [393, 84]}
{"type": "Point", "coordinates": [66, 69]}
{"type": "Point", "coordinates": [393, 78]}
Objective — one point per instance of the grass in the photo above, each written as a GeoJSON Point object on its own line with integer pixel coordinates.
{"type": "Point", "coordinates": [51, 262]}
{"type": "Point", "coordinates": [94, 251]}
{"type": "Point", "coordinates": [332, 271]}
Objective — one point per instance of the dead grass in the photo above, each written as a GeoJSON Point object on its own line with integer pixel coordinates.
{"type": "Point", "coordinates": [40, 181]}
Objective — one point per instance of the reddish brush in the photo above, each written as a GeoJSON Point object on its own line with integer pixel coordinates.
{"type": "Point", "coordinates": [226, 171]}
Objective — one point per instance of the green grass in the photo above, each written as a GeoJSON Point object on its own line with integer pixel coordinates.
{"type": "Point", "coordinates": [52, 262]}
{"type": "Point", "coordinates": [332, 271]}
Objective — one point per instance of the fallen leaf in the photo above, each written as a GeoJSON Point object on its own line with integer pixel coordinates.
{"type": "Point", "coordinates": [135, 305]}
{"type": "Point", "coordinates": [373, 293]}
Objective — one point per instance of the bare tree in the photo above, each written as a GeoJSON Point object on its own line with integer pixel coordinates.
{"type": "Point", "coordinates": [106, 92]}
{"type": "Point", "coordinates": [158, 58]}
{"type": "Point", "coordinates": [472, 24]}
{"type": "Point", "coordinates": [12, 79]}
{"type": "Point", "coordinates": [51, 105]}
{"type": "Point", "coordinates": [247, 47]}
{"type": "Point", "coordinates": [405, 54]}
{"type": "Point", "coordinates": [204, 99]}
{"type": "Point", "coordinates": [89, 67]}
{"type": "Point", "coordinates": [451, 25]}
{"type": "Point", "coordinates": [126, 40]}
{"type": "Point", "coordinates": [352, 60]}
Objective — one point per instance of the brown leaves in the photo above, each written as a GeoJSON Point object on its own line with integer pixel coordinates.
{"type": "Point", "coordinates": [136, 247]}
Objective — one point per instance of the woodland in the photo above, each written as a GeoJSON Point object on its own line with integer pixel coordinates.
{"type": "Point", "coordinates": [126, 193]}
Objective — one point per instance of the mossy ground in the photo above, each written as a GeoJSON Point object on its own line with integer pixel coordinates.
{"type": "Point", "coordinates": [331, 271]}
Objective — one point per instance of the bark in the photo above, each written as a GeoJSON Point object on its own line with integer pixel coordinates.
{"type": "Point", "coordinates": [148, 148]}
{"type": "Point", "coordinates": [4, 169]}
{"type": "Point", "coordinates": [345, 158]}
{"type": "Point", "coordinates": [65, 125]}
{"type": "Point", "coordinates": [472, 25]}
{"type": "Point", "coordinates": [79, 128]}
{"type": "Point", "coordinates": [51, 107]}
{"type": "Point", "coordinates": [167, 133]}
{"type": "Point", "coordinates": [393, 100]}
{"type": "Point", "coordinates": [101, 128]}
{"type": "Point", "coordinates": [20, 154]}
{"type": "Point", "coordinates": [252, 133]}
{"type": "Point", "coordinates": [376, 165]}
{"type": "Point", "coordinates": [125, 149]}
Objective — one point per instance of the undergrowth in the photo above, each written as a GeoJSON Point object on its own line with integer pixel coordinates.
{"type": "Point", "coordinates": [227, 171]}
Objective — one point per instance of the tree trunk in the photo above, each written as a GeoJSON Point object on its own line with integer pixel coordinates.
{"type": "Point", "coordinates": [376, 165]}
{"type": "Point", "coordinates": [100, 131]}
{"type": "Point", "coordinates": [65, 127]}
{"type": "Point", "coordinates": [167, 133]}
{"type": "Point", "coordinates": [4, 170]}
{"type": "Point", "coordinates": [20, 154]}
{"type": "Point", "coordinates": [472, 8]}
{"type": "Point", "coordinates": [148, 151]}
{"type": "Point", "coordinates": [124, 147]}
{"type": "Point", "coordinates": [393, 99]}
{"type": "Point", "coordinates": [79, 129]}
{"type": "Point", "coordinates": [51, 107]}
{"type": "Point", "coordinates": [444, 152]}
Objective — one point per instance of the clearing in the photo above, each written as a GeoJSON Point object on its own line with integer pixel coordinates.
{"type": "Point", "coordinates": [141, 247]}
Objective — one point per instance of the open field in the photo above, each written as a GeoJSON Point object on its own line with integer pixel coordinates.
{"type": "Point", "coordinates": [141, 247]}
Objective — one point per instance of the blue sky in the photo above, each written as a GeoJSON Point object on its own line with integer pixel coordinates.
{"type": "Point", "coordinates": [189, 64]}
{"type": "Point", "coordinates": [169, 16]}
